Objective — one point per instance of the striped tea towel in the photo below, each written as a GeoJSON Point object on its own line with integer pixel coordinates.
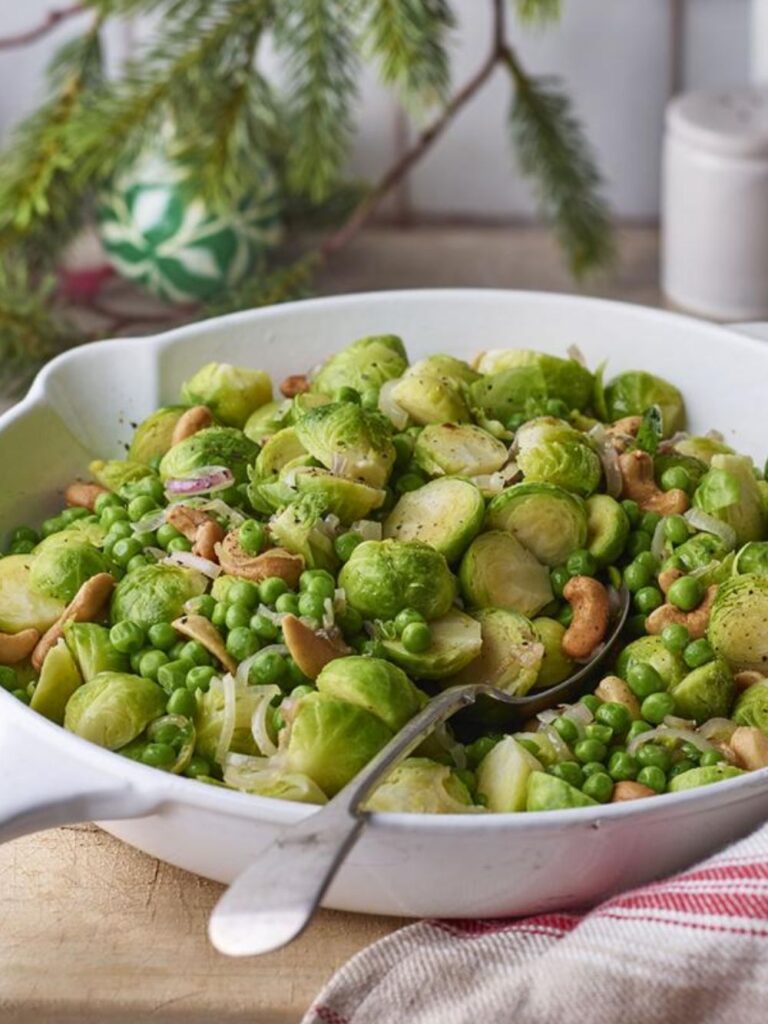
{"type": "Point", "coordinates": [692, 949]}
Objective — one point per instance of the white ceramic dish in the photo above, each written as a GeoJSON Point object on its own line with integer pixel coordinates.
{"type": "Point", "coordinates": [461, 866]}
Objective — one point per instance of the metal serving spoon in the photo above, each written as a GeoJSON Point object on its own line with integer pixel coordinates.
{"type": "Point", "coordinates": [273, 900]}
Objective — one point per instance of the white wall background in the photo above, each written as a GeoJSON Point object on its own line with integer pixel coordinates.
{"type": "Point", "coordinates": [620, 59]}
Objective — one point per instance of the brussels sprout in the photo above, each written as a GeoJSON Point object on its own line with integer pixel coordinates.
{"type": "Point", "coordinates": [230, 392]}
{"type": "Point", "coordinates": [330, 740]}
{"type": "Point", "coordinates": [267, 496]}
{"type": "Point", "coordinates": [430, 395]}
{"type": "Point", "coordinates": [703, 777]}
{"type": "Point", "coordinates": [498, 572]}
{"type": "Point", "coordinates": [280, 449]}
{"type": "Point", "coordinates": [421, 786]}
{"type": "Point", "coordinates": [456, 641]}
{"type": "Point", "coordinates": [650, 650]}
{"type": "Point", "coordinates": [349, 441]}
{"type": "Point", "coordinates": [607, 528]}
{"type": "Point", "coordinates": [152, 437]}
{"type": "Point", "coordinates": [548, 793]}
{"type": "Point", "coordinates": [384, 577]}
{"type": "Point", "coordinates": [700, 550]}
{"type": "Point", "coordinates": [303, 403]}
{"type": "Point", "coordinates": [364, 365]}
{"type": "Point", "coordinates": [737, 623]}
{"type": "Point", "coordinates": [90, 646]}
{"type": "Point", "coordinates": [347, 499]}
{"type": "Point", "coordinates": [211, 716]}
{"type": "Point", "coordinates": [695, 468]}
{"type": "Point", "coordinates": [376, 685]}
{"type": "Point", "coordinates": [155, 593]}
{"type": "Point", "coordinates": [550, 522]}
{"type": "Point", "coordinates": [563, 379]}
{"type": "Point", "coordinates": [555, 665]}
{"type": "Point", "coordinates": [455, 449]}
{"type": "Point", "coordinates": [113, 708]}
{"type": "Point", "coordinates": [520, 390]}
{"type": "Point", "coordinates": [59, 679]}
{"type": "Point", "coordinates": [214, 446]}
{"type": "Point", "coordinates": [84, 530]}
{"type": "Point", "coordinates": [21, 606]}
{"type": "Point", "coordinates": [706, 692]}
{"type": "Point", "coordinates": [729, 492]}
{"type": "Point", "coordinates": [62, 563]}
{"type": "Point", "coordinates": [267, 420]}
{"type": "Point", "coordinates": [631, 393]}
{"type": "Point", "coordinates": [510, 654]}
{"type": "Point", "coordinates": [253, 775]}
{"type": "Point", "coordinates": [753, 558]}
{"type": "Point", "coordinates": [702, 448]}
{"type": "Point", "coordinates": [116, 473]}
{"type": "Point", "coordinates": [502, 776]}
{"type": "Point", "coordinates": [300, 528]}
{"type": "Point", "coordinates": [551, 451]}
{"type": "Point", "coordinates": [446, 514]}
{"type": "Point", "coordinates": [751, 708]}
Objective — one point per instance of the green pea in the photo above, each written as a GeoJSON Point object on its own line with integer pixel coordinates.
{"type": "Point", "coordinates": [417, 637]}
{"type": "Point", "coordinates": [199, 678]}
{"type": "Point", "coordinates": [301, 691]}
{"type": "Point", "coordinates": [165, 534]}
{"type": "Point", "coordinates": [652, 777]}
{"type": "Point", "coordinates": [615, 716]}
{"type": "Point", "coordinates": [127, 637]}
{"type": "Point", "coordinates": [682, 766]}
{"type": "Point", "coordinates": [140, 507]}
{"type": "Point", "coordinates": [172, 676]}
{"type": "Point", "coordinates": [591, 701]}
{"type": "Point", "coordinates": [162, 636]}
{"type": "Point", "coordinates": [22, 547]}
{"type": "Point", "coordinates": [346, 543]}
{"type": "Point", "coordinates": [591, 768]}
{"type": "Point", "coordinates": [643, 680]}
{"type": "Point", "coordinates": [409, 482]}
{"type": "Point", "coordinates": [203, 605]}
{"type": "Point", "coordinates": [647, 559]}
{"type": "Point", "coordinates": [287, 604]}
{"type": "Point", "coordinates": [118, 531]}
{"type": "Point", "coordinates": [252, 536]}
{"type": "Point", "coordinates": [177, 650]}
{"type": "Point", "coordinates": [657, 706]}
{"type": "Point", "coordinates": [570, 771]}
{"type": "Point", "coordinates": [581, 563]}
{"type": "Point", "coordinates": [272, 588]}
{"type": "Point", "coordinates": [265, 629]}
{"type": "Point", "coordinates": [590, 750]}
{"type": "Point", "coordinates": [151, 662]}
{"type": "Point", "coordinates": [479, 748]}
{"type": "Point", "coordinates": [622, 766]}
{"type": "Point", "coordinates": [632, 511]}
{"type": "Point", "coordinates": [636, 577]}
{"type": "Point", "coordinates": [637, 727]}
{"type": "Point", "coordinates": [237, 615]}
{"type": "Point", "coordinates": [317, 581]}
{"type": "Point", "coordinates": [8, 678]}
{"type": "Point", "coordinates": [311, 606]}
{"type": "Point", "coordinates": [105, 501]}
{"type": "Point", "coordinates": [245, 593]}
{"type": "Point", "coordinates": [686, 593]}
{"type": "Point", "coordinates": [653, 754]}
{"type": "Point", "coordinates": [636, 625]}
{"type": "Point", "coordinates": [169, 733]}
{"type": "Point", "coordinates": [111, 515]}
{"type": "Point", "coordinates": [565, 615]}
{"type": "Point", "coordinates": [639, 541]}
{"type": "Point", "coordinates": [178, 544]}
{"type": "Point", "coordinates": [648, 598]}
{"type": "Point", "coordinates": [676, 529]}
{"type": "Point", "coordinates": [697, 653]}
{"type": "Point", "coordinates": [558, 577]}
{"type": "Point", "coordinates": [25, 533]}
{"type": "Point", "coordinates": [71, 515]}
{"type": "Point", "coordinates": [566, 729]}
{"type": "Point", "coordinates": [348, 394]}
{"type": "Point", "coordinates": [675, 637]}
{"type": "Point", "coordinates": [219, 615]}
{"type": "Point", "coordinates": [242, 642]}
{"type": "Point", "coordinates": [598, 731]}
{"type": "Point", "coordinates": [145, 538]}
{"type": "Point", "coordinates": [372, 648]}
{"type": "Point", "coordinates": [296, 677]}
{"type": "Point", "coordinates": [369, 398]}
{"type": "Point", "coordinates": [158, 755]}
{"type": "Point", "coordinates": [195, 653]}
{"type": "Point", "coordinates": [197, 766]}
{"type": "Point", "coordinates": [710, 757]}
{"type": "Point", "coordinates": [649, 522]}
{"type": "Point", "coordinates": [21, 695]}
{"type": "Point", "coordinates": [691, 751]}
{"type": "Point", "coordinates": [267, 668]}
{"type": "Point", "coordinates": [675, 479]}
{"type": "Point", "coordinates": [599, 787]}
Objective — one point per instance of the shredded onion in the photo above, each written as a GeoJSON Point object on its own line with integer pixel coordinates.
{"type": "Point", "coordinates": [659, 542]}
{"type": "Point", "coordinates": [671, 442]}
{"type": "Point", "coordinates": [368, 529]}
{"type": "Point", "coordinates": [679, 723]}
{"type": "Point", "coordinates": [207, 480]}
{"type": "Point", "coordinates": [715, 435]}
{"type": "Point", "coordinates": [575, 353]}
{"type": "Point", "coordinates": [228, 717]}
{"type": "Point", "coordinates": [329, 618]}
{"type": "Point", "coordinates": [151, 523]}
{"type": "Point", "coordinates": [156, 553]}
{"type": "Point", "coordinates": [489, 483]}
{"type": "Point", "coordinates": [190, 561]}
{"type": "Point", "coordinates": [561, 748]}
{"type": "Point", "coordinates": [719, 729]}
{"type": "Point", "coordinates": [579, 714]}
{"type": "Point", "coordinates": [709, 524]}
{"type": "Point", "coordinates": [332, 522]}
{"type": "Point", "coordinates": [341, 465]}
{"type": "Point", "coordinates": [395, 413]}
{"type": "Point", "coordinates": [245, 666]}
{"type": "Point", "coordinates": [340, 600]}
{"type": "Point", "coordinates": [609, 460]}
{"type": "Point", "coordinates": [664, 732]}
{"type": "Point", "coordinates": [259, 729]}
{"type": "Point", "coordinates": [271, 614]}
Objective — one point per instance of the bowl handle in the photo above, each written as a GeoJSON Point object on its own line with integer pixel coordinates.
{"type": "Point", "coordinates": [42, 788]}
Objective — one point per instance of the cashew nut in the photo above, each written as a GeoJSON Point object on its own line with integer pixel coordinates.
{"type": "Point", "coordinates": [591, 610]}
{"type": "Point", "coordinates": [15, 647]}
{"type": "Point", "coordinates": [639, 485]}
{"type": "Point", "coordinates": [747, 678]}
{"type": "Point", "coordinates": [85, 606]}
{"type": "Point", "coordinates": [623, 432]}
{"type": "Point", "coordinates": [750, 745]}
{"type": "Point", "coordinates": [294, 385]}
{"type": "Point", "coordinates": [667, 577]}
{"type": "Point", "coordinates": [696, 621]}
{"type": "Point", "coordinates": [198, 527]}
{"type": "Point", "coordinates": [198, 628]}
{"type": "Point", "coordinates": [630, 791]}
{"type": "Point", "coordinates": [615, 690]}
{"type": "Point", "coordinates": [81, 494]}
{"type": "Point", "coordinates": [273, 562]}
{"type": "Point", "coordinates": [207, 537]}
{"type": "Point", "coordinates": [310, 650]}
{"type": "Point", "coordinates": [197, 418]}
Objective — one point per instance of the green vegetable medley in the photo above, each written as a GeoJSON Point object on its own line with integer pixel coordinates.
{"type": "Point", "coordinates": [265, 590]}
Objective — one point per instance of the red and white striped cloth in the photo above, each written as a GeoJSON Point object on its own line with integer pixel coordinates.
{"type": "Point", "coordinates": [692, 949]}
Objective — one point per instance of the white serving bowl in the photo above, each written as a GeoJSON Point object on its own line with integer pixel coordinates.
{"type": "Point", "coordinates": [84, 405]}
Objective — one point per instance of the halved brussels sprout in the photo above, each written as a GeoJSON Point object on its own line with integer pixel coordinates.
{"type": "Point", "coordinates": [299, 528]}
{"type": "Point", "coordinates": [702, 448]}
{"type": "Point", "coordinates": [305, 402]}
{"type": "Point", "coordinates": [444, 513]}
{"type": "Point", "coordinates": [502, 776]}
{"type": "Point", "coordinates": [729, 492]}
{"type": "Point", "coordinates": [456, 641]}
{"type": "Point", "coordinates": [364, 365]}
{"type": "Point", "coordinates": [498, 572]}
{"type": "Point", "coordinates": [59, 678]}
{"type": "Point", "coordinates": [113, 708]}
{"type": "Point", "coordinates": [548, 793]}
{"type": "Point", "coordinates": [700, 550]}
{"type": "Point", "coordinates": [214, 446]}
{"type": "Point", "coordinates": [90, 646]}
{"type": "Point", "coordinates": [550, 522]}
{"type": "Point", "coordinates": [753, 558]}
{"type": "Point", "coordinates": [551, 451]}
{"type": "Point", "coordinates": [520, 390]}
{"type": "Point", "coordinates": [555, 665]}
{"type": "Point", "coordinates": [116, 473]}
{"type": "Point", "coordinates": [563, 379]}
{"type": "Point", "coordinates": [267, 420]}
{"type": "Point", "coordinates": [62, 563]}
{"type": "Point", "coordinates": [695, 468]}
{"type": "Point", "coordinates": [374, 684]}
{"type": "Point", "coordinates": [706, 692]}
{"type": "Point", "coordinates": [349, 441]}
{"type": "Point", "coordinates": [631, 393]}
{"type": "Point", "coordinates": [230, 392]}
{"type": "Point", "coordinates": [430, 395]}
{"type": "Point", "coordinates": [21, 606]}
{"type": "Point", "coordinates": [751, 707]}
{"type": "Point", "coordinates": [650, 650]}
{"type": "Point", "coordinates": [211, 718]}
{"type": "Point", "coordinates": [510, 654]}
{"type": "Point", "coordinates": [350, 500]}
{"type": "Point", "coordinates": [384, 577]}
{"type": "Point", "coordinates": [607, 528]}
{"type": "Point", "coordinates": [421, 786]}
{"type": "Point", "coordinates": [330, 740]}
{"type": "Point", "coordinates": [456, 370]}
{"type": "Point", "coordinates": [458, 449]}
{"type": "Point", "coordinates": [280, 449]}
{"type": "Point", "coordinates": [703, 777]}
{"type": "Point", "coordinates": [152, 438]}
{"type": "Point", "coordinates": [254, 775]}
{"type": "Point", "coordinates": [737, 628]}
{"type": "Point", "coordinates": [155, 593]}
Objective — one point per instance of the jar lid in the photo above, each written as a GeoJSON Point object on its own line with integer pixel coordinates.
{"type": "Point", "coordinates": [733, 122]}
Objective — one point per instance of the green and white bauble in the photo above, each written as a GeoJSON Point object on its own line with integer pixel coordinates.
{"type": "Point", "coordinates": [159, 232]}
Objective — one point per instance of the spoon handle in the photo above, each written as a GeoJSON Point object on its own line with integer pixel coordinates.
{"type": "Point", "coordinates": [273, 900]}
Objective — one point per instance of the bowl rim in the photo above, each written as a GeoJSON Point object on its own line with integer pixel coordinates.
{"type": "Point", "coordinates": [172, 788]}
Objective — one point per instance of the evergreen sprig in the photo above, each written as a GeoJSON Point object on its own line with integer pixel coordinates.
{"type": "Point", "coordinates": [408, 38]}
{"type": "Point", "coordinates": [538, 10]}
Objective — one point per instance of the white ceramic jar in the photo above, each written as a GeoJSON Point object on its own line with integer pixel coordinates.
{"type": "Point", "coordinates": [715, 203]}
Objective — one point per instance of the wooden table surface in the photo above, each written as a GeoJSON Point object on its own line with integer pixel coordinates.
{"type": "Point", "coordinates": [94, 931]}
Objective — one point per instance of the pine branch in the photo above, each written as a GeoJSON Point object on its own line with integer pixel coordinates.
{"type": "Point", "coordinates": [316, 38]}
{"type": "Point", "coordinates": [554, 152]}
{"type": "Point", "coordinates": [51, 21]}
{"type": "Point", "coordinates": [540, 11]}
{"type": "Point", "coordinates": [408, 37]}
